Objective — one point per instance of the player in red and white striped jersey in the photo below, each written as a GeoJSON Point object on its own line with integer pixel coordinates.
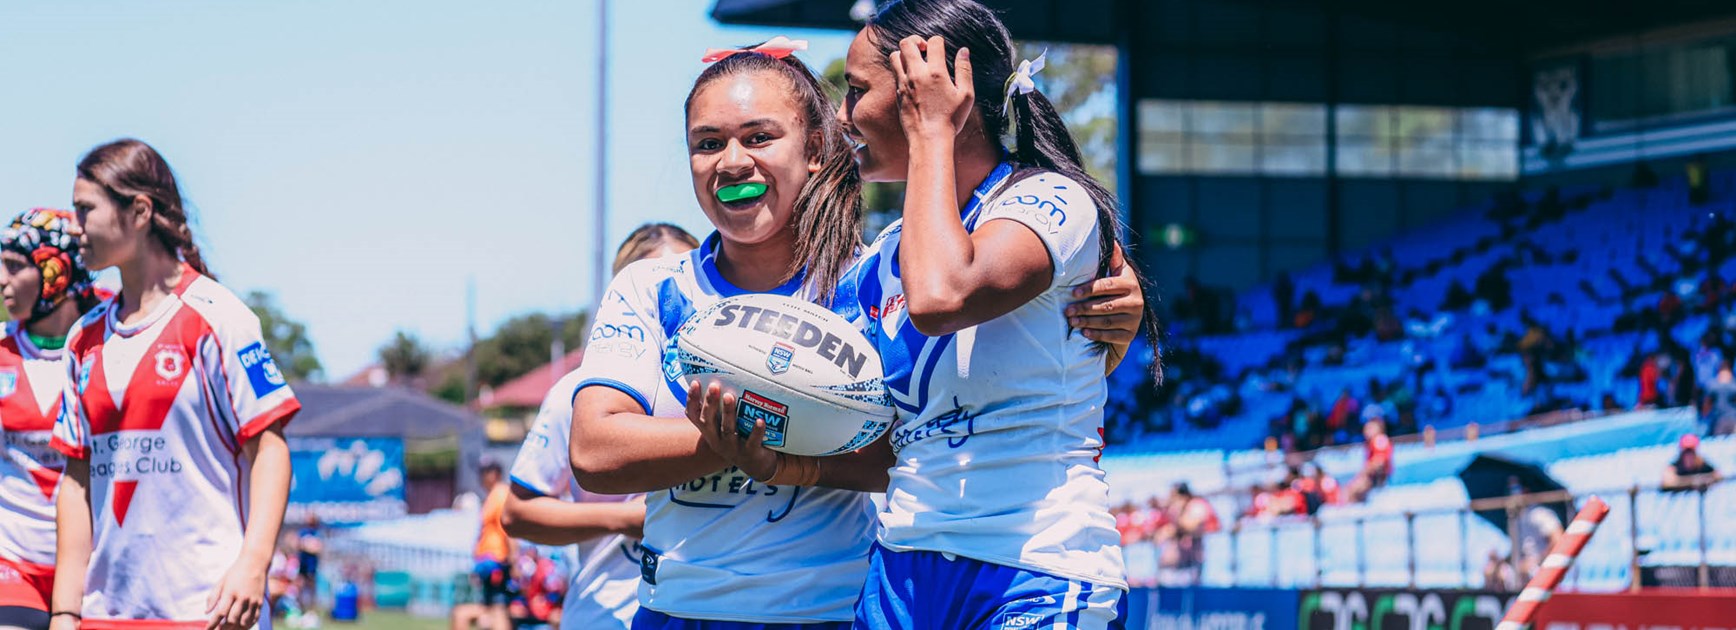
{"type": "Point", "coordinates": [177, 471]}
{"type": "Point", "coordinates": [46, 288]}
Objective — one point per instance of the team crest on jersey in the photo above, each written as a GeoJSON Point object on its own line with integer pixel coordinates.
{"type": "Point", "coordinates": [261, 369]}
{"type": "Point", "coordinates": [8, 382]}
{"type": "Point", "coordinates": [170, 363]}
{"type": "Point", "coordinates": [782, 355]}
{"type": "Point", "coordinates": [84, 371]}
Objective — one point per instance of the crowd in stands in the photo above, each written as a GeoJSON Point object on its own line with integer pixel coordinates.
{"type": "Point", "coordinates": [1572, 299]}
{"type": "Point", "coordinates": [1520, 309]}
{"type": "Point", "coordinates": [1164, 537]}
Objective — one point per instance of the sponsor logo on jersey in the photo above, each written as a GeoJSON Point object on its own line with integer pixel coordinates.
{"type": "Point", "coordinates": [169, 362]}
{"type": "Point", "coordinates": [84, 371]}
{"type": "Point", "coordinates": [781, 357]}
{"type": "Point", "coordinates": [261, 370]}
{"type": "Point", "coordinates": [1018, 621]}
{"type": "Point", "coordinates": [618, 331]}
{"type": "Point", "coordinates": [1045, 212]}
{"type": "Point", "coordinates": [789, 327]}
{"type": "Point", "coordinates": [648, 565]}
{"type": "Point", "coordinates": [8, 382]}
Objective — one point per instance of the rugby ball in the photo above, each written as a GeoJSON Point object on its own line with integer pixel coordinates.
{"type": "Point", "coordinates": [812, 377]}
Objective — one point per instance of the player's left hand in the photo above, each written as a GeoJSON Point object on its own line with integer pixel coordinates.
{"type": "Point", "coordinates": [714, 414]}
{"type": "Point", "coordinates": [238, 599]}
{"type": "Point", "coordinates": [1109, 309]}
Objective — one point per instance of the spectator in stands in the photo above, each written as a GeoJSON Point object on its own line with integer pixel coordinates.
{"type": "Point", "coordinates": [1284, 298]}
{"type": "Point", "coordinates": [1651, 376]}
{"type": "Point", "coordinates": [1538, 529]}
{"type": "Point", "coordinates": [1377, 466]}
{"type": "Point", "coordinates": [1609, 404]}
{"type": "Point", "coordinates": [1533, 348]}
{"type": "Point", "coordinates": [1376, 409]}
{"type": "Point", "coordinates": [1719, 404]}
{"type": "Point", "coordinates": [1699, 188]}
{"type": "Point", "coordinates": [1712, 292]}
{"type": "Point", "coordinates": [1190, 519]}
{"type": "Point", "coordinates": [1707, 359]}
{"type": "Point", "coordinates": [1199, 303]}
{"type": "Point", "coordinates": [1309, 310]}
{"type": "Point", "coordinates": [1343, 411]}
{"type": "Point", "coordinates": [1498, 574]}
{"type": "Point", "coordinates": [1494, 288]}
{"type": "Point", "coordinates": [1124, 523]}
{"type": "Point", "coordinates": [1315, 489]}
{"type": "Point", "coordinates": [1670, 309]}
{"type": "Point", "coordinates": [1689, 470]}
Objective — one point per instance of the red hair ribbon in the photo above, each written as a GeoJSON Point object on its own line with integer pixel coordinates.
{"type": "Point", "coordinates": [778, 47]}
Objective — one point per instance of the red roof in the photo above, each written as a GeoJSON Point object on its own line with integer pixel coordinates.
{"type": "Point", "coordinates": [529, 390]}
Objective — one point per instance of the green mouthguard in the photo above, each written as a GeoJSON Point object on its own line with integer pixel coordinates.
{"type": "Point", "coordinates": [739, 192]}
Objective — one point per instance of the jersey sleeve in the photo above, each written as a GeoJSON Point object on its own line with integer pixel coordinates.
{"type": "Point", "coordinates": [71, 428]}
{"type": "Point", "coordinates": [248, 377]}
{"type": "Point", "coordinates": [1061, 213]}
{"type": "Point", "coordinates": [543, 464]}
{"type": "Point", "coordinates": [625, 350]}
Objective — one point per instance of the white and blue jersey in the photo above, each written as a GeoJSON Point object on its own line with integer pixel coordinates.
{"type": "Point", "coordinates": [604, 592]}
{"type": "Point", "coordinates": [723, 547]}
{"type": "Point", "coordinates": [1000, 425]}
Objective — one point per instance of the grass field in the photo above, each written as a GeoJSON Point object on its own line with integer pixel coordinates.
{"type": "Point", "coordinates": [387, 620]}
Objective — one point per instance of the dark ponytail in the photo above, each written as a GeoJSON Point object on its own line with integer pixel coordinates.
{"type": "Point", "coordinates": [129, 168]}
{"type": "Point", "coordinates": [828, 210]}
{"type": "Point", "coordinates": [1040, 139]}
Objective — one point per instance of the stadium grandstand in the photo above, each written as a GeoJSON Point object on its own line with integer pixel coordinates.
{"type": "Point", "coordinates": [1432, 274]}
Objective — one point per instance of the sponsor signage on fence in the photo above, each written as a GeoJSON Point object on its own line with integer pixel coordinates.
{"type": "Point", "coordinates": [1684, 610]}
{"type": "Point", "coordinates": [1390, 609]}
{"type": "Point", "coordinates": [1212, 609]}
{"type": "Point", "coordinates": [346, 480]}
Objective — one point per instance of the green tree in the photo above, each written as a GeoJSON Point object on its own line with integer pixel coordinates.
{"type": "Point", "coordinates": [405, 358]}
{"type": "Point", "coordinates": [286, 338]}
{"type": "Point", "coordinates": [521, 344]}
{"type": "Point", "coordinates": [1080, 80]}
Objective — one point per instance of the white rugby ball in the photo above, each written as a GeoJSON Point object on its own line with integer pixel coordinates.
{"type": "Point", "coordinates": [806, 371]}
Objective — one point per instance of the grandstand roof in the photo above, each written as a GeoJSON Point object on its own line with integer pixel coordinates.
{"type": "Point", "coordinates": [330, 410]}
{"type": "Point", "coordinates": [528, 391]}
{"type": "Point", "coordinates": [1529, 26]}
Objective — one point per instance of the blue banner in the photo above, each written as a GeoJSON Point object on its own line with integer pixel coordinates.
{"type": "Point", "coordinates": [1193, 608]}
{"type": "Point", "coordinates": [346, 480]}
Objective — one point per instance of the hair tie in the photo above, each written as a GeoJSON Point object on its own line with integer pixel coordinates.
{"type": "Point", "coordinates": [1020, 83]}
{"type": "Point", "coordinates": [776, 47]}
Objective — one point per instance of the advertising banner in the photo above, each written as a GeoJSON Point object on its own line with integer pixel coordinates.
{"type": "Point", "coordinates": [1681, 610]}
{"type": "Point", "coordinates": [346, 480]}
{"type": "Point", "coordinates": [1398, 609]}
{"type": "Point", "coordinates": [1197, 608]}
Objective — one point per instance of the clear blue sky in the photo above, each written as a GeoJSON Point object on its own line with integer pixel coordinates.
{"type": "Point", "coordinates": [361, 160]}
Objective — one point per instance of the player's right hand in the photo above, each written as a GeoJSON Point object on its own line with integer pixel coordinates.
{"type": "Point", "coordinates": [714, 414]}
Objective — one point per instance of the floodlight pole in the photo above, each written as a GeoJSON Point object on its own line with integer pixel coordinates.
{"type": "Point", "coordinates": [599, 232]}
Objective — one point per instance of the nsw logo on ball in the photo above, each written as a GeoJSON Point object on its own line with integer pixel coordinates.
{"type": "Point", "coordinates": [781, 356]}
